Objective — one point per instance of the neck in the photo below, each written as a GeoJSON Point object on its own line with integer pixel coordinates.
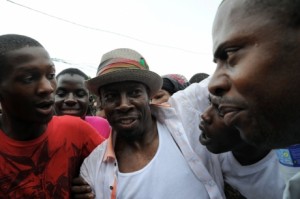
{"type": "Point", "coordinates": [135, 154]}
{"type": "Point", "coordinates": [246, 154]}
{"type": "Point", "coordinates": [140, 140]}
{"type": "Point", "coordinates": [21, 130]}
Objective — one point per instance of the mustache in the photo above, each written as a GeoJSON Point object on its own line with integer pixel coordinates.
{"type": "Point", "coordinates": [217, 100]}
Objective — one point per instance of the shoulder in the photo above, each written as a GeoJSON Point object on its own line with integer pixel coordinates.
{"type": "Point", "coordinates": [66, 120]}
{"type": "Point", "coordinates": [96, 156]}
{"type": "Point", "coordinates": [72, 125]}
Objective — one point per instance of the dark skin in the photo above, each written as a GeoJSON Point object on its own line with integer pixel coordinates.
{"type": "Point", "coordinates": [219, 138]}
{"type": "Point", "coordinates": [81, 189]}
{"type": "Point", "coordinates": [127, 109]}
{"type": "Point", "coordinates": [27, 93]}
{"type": "Point", "coordinates": [71, 96]}
{"type": "Point", "coordinates": [256, 71]}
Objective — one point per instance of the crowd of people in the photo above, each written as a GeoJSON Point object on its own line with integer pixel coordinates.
{"type": "Point", "coordinates": [129, 132]}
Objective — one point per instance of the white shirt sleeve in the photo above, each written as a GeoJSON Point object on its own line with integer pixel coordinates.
{"type": "Point", "coordinates": [292, 190]}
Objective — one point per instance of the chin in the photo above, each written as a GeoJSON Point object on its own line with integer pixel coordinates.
{"type": "Point", "coordinates": [44, 119]}
{"type": "Point", "coordinates": [129, 135]}
{"type": "Point", "coordinates": [215, 150]}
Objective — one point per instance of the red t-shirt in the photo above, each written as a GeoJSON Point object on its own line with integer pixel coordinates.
{"type": "Point", "coordinates": [45, 167]}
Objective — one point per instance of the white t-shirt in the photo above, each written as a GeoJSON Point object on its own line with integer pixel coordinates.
{"type": "Point", "coordinates": [166, 176]}
{"type": "Point", "coordinates": [261, 180]}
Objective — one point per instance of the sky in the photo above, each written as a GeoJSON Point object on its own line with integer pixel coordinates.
{"type": "Point", "coordinates": [174, 36]}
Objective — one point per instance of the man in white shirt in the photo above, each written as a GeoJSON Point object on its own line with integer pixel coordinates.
{"type": "Point", "coordinates": [149, 153]}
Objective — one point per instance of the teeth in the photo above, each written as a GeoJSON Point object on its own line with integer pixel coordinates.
{"type": "Point", "coordinates": [126, 121]}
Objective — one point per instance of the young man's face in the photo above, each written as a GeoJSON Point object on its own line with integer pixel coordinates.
{"type": "Point", "coordinates": [126, 106]}
{"type": "Point", "coordinates": [257, 75]}
{"type": "Point", "coordinates": [27, 88]}
{"type": "Point", "coordinates": [216, 136]}
{"type": "Point", "coordinates": [71, 96]}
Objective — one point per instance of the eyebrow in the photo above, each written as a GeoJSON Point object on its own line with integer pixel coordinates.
{"type": "Point", "coordinates": [218, 51]}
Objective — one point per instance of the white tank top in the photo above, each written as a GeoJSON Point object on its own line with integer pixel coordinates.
{"type": "Point", "coordinates": [166, 176]}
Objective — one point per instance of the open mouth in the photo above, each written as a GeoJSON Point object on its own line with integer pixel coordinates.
{"type": "Point", "coordinates": [126, 122]}
{"type": "Point", "coordinates": [203, 138]}
{"type": "Point", "coordinates": [45, 107]}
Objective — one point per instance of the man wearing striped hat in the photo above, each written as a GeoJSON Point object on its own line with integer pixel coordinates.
{"type": "Point", "coordinates": [149, 154]}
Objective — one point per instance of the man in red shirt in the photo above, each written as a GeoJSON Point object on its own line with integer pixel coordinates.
{"type": "Point", "coordinates": [39, 153]}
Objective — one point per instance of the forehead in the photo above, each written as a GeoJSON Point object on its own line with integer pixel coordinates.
{"type": "Point", "coordinates": [27, 54]}
{"type": "Point", "coordinates": [123, 86]}
{"type": "Point", "coordinates": [70, 79]}
{"type": "Point", "coordinates": [27, 59]}
{"type": "Point", "coordinates": [233, 20]}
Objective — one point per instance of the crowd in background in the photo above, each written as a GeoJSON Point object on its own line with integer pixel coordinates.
{"type": "Point", "coordinates": [131, 133]}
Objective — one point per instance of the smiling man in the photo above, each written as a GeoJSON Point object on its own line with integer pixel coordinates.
{"type": "Point", "coordinates": [39, 154]}
{"type": "Point", "coordinates": [72, 98]}
{"type": "Point", "coordinates": [256, 49]}
{"type": "Point", "coordinates": [71, 95]}
{"type": "Point", "coordinates": [149, 155]}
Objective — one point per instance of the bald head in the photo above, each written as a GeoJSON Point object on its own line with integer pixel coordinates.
{"type": "Point", "coordinates": [285, 12]}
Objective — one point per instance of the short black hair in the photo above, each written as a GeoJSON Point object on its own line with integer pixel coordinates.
{"type": "Point", "coordinates": [11, 42]}
{"type": "Point", "coordinates": [285, 12]}
{"type": "Point", "coordinates": [198, 77]}
{"type": "Point", "coordinates": [73, 71]}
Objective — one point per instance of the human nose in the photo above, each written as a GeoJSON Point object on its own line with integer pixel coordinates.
{"type": "Point", "coordinates": [46, 86]}
{"type": "Point", "coordinates": [206, 117]}
{"type": "Point", "coordinates": [70, 99]}
{"type": "Point", "coordinates": [219, 83]}
{"type": "Point", "coordinates": [124, 102]}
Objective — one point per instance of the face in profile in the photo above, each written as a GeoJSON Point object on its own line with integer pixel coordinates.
{"type": "Point", "coordinates": [160, 97]}
{"type": "Point", "coordinates": [27, 89]}
{"type": "Point", "coordinates": [216, 136]}
{"type": "Point", "coordinates": [71, 96]}
{"type": "Point", "coordinates": [257, 75]}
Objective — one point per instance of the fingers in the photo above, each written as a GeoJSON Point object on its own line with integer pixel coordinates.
{"type": "Point", "coordinates": [81, 190]}
{"type": "Point", "coordinates": [79, 181]}
{"type": "Point", "coordinates": [84, 196]}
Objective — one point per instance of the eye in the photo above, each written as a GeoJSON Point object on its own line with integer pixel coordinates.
{"type": "Point", "coordinates": [51, 76]}
{"type": "Point", "coordinates": [228, 52]}
{"type": "Point", "coordinates": [81, 93]}
{"type": "Point", "coordinates": [109, 97]}
{"type": "Point", "coordinates": [60, 93]}
{"type": "Point", "coordinates": [28, 79]}
{"type": "Point", "coordinates": [136, 92]}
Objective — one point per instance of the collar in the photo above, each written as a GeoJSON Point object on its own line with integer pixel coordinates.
{"type": "Point", "coordinates": [110, 155]}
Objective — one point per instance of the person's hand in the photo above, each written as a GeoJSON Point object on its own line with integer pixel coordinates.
{"type": "Point", "coordinates": [81, 189]}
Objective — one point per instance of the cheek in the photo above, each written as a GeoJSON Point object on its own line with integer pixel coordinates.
{"type": "Point", "coordinates": [54, 84]}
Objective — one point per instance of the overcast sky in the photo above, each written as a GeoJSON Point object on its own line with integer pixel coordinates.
{"type": "Point", "coordinates": [174, 36]}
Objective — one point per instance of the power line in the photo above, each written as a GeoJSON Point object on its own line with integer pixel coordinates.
{"type": "Point", "coordinates": [106, 31]}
